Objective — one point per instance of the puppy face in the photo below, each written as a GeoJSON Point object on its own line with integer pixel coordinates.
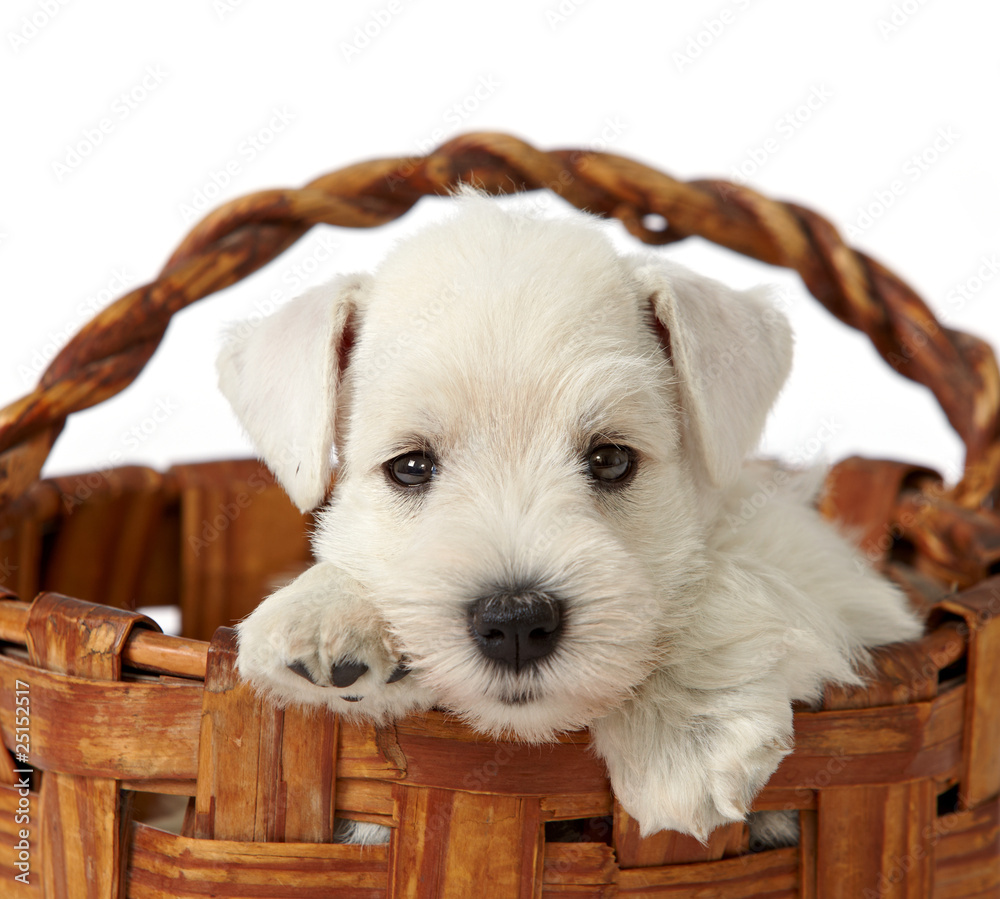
{"type": "Point", "coordinates": [523, 462]}
{"type": "Point", "coordinates": [510, 451]}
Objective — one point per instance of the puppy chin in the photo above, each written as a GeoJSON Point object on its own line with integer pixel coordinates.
{"type": "Point", "coordinates": [529, 717]}
{"type": "Point", "coordinates": [533, 707]}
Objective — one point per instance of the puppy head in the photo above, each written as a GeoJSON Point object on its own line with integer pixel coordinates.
{"type": "Point", "coordinates": [521, 461]}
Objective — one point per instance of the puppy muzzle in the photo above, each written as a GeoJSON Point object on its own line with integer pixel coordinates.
{"type": "Point", "coordinates": [516, 628]}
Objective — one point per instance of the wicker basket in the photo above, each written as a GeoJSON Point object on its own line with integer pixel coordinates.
{"type": "Point", "coordinates": [896, 785]}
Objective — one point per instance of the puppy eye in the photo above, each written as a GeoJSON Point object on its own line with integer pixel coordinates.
{"type": "Point", "coordinates": [609, 464]}
{"type": "Point", "coordinates": [411, 469]}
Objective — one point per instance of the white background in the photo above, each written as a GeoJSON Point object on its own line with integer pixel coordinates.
{"type": "Point", "coordinates": [716, 88]}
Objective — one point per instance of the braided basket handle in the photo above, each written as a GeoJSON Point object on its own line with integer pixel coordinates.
{"type": "Point", "coordinates": [246, 233]}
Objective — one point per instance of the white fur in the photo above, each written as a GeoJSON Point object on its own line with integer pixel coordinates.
{"type": "Point", "coordinates": [282, 382]}
{"type": "Point", "coordinates": [508, 345]}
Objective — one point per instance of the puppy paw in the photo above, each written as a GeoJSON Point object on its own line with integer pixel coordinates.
{"type": "Point", "coordinates": [318, 641]}
{"type": "Point", "coordinates": [690, 773]}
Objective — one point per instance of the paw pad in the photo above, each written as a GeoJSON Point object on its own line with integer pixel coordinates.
{"type": "Point", "coordinates": [301, 670]}
{"type": "Point", "coordinates": [345, 672]}
{"type": "Point", "coordinates": [398, 673]}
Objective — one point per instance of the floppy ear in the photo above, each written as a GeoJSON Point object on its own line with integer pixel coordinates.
{"type": "Point", "coordinates": [731, 351]}
{"type": "Point", "coordinates": [281, 375]}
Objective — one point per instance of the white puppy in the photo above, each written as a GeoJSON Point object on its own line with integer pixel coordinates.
{"type": "Point", "coordinates": [540, 516]}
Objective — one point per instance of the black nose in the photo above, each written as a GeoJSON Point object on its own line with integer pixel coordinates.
{"type": "Point", "coordinates": [516, 628]}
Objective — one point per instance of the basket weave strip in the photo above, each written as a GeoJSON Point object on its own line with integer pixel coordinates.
{"type": "Point", "coordinates": [241, 236]}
